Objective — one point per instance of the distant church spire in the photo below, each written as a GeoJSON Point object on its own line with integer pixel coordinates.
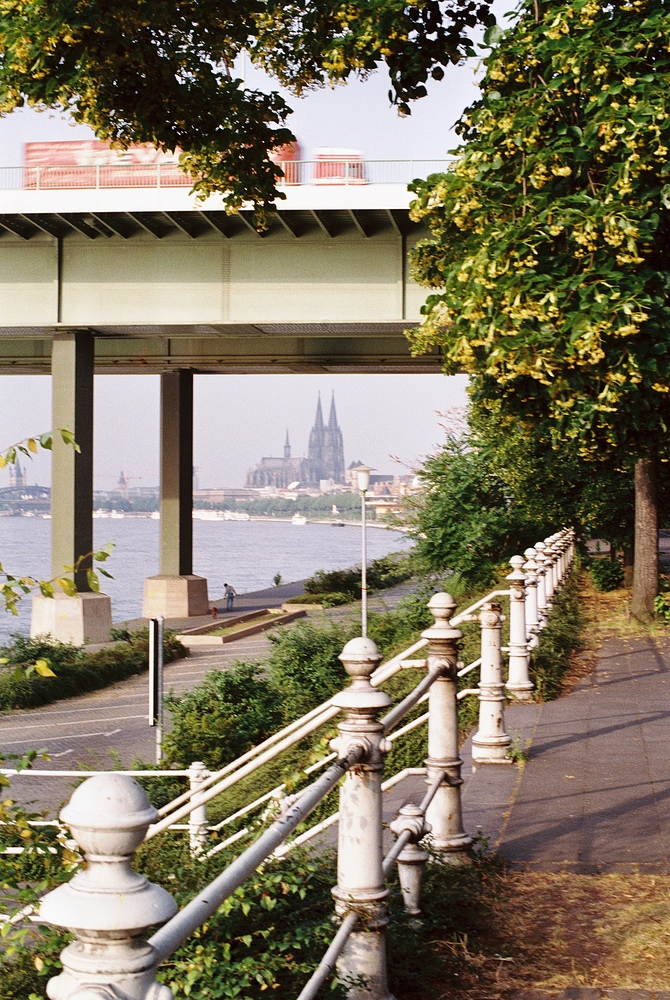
{"type": "Point", "coordinates": [318, 420]}
{"type": "Point", "coordinates": [287, 446]}
{"type": "Point", "coordinates": [332, 419]}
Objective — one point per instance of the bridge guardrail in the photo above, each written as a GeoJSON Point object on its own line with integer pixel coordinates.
{"type": "Point", "coordinates": [105, 176]}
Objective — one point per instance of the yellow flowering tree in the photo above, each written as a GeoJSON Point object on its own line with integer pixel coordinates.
{"type": "Point", "coordinates": [550, 245]}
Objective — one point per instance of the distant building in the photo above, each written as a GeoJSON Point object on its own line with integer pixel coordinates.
{"type": "Point", "coordinates": [18, 480]}
{"type": "Point", "coordinates": [325, 458]}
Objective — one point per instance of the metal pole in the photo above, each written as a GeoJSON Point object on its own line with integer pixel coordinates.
{"type": "Point", "coordinates": [364, 578]}
{"type": "Point", "coordinates": [156, 681]}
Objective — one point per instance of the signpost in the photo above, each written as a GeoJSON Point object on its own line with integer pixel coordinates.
{"type": "Point", "coordinates": [156, 681]}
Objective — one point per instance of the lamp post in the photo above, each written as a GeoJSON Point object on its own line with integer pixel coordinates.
{"type": "Point", "coordinates": [363, 476]}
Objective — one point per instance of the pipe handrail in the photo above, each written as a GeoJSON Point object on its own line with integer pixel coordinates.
{"type": "Point", "coordinates": [173, 934]}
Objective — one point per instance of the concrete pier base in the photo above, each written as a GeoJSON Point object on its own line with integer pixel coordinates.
{"type": "Point", "coordinates": [84, 618]}
{"type": "Point", "coordinates": [175, 596]}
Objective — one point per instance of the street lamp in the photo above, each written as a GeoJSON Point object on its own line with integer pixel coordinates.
{"type": "Point", "coordinates": [363, 477]}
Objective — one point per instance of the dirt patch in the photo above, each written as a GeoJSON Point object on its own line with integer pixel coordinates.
{"type": "Point", "coordinates": [549, 932]}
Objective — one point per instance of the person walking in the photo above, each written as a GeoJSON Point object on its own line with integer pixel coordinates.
{"type": "Point", "coordinates": [230, 594]}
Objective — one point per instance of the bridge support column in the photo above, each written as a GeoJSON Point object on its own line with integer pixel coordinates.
{"type": "Point", "coordinates": [88, 616]}
{"type": "Point", "coordinates": [176, 592]}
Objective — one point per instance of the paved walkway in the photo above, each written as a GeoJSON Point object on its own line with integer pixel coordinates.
{"type": "Point", "coordinates": [594, 795]}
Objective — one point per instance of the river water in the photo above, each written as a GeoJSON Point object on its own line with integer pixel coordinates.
{"type": "Point", "coordinates": [246, 554]}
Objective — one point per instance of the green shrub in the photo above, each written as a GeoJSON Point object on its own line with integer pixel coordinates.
{"type": "Point", "coordinates": [662, 606]}
{"type": "Point", "coordinates": [224, 716]}
{"type": "Point", "coordinates": [384, 572]}
{"type": "Point", "coordinates": [76, 670]}
{"type": "Point", "coordinates": [389, 570]}
{"type": "Point", "coordinates": [344, 581]}
{"type": "Point", "coordinates": [606, 574]}
{"type": "Point", "coordinates": [558, 640]}
{"type": "Point", "coordinates": [303, 663]}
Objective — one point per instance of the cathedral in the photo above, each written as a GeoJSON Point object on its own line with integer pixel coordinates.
{"type": "Point", "coordinates": [325, 458]}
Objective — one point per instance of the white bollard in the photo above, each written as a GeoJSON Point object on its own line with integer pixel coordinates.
{"type": "Point", "coordinates": [197, 821]}
{"type": "Point", "coordinates": [360, 877]}
{"type": "Point", "coordinates": [108, 906]}
{"type": "Point", "coordinates": [445, 813]}
{"type": "Point", "coordinates": [542, 606]}
{"type": "Point", "coordinates": [413, 858]}
{"type": "Point", "coordinates": [491, 742]}
{"type": "Point", "coordinates": [532, 622]}
{"type": "Point", "coordinates": [519, 683]}
{"type": "Point", "coordinates": [550, 572]}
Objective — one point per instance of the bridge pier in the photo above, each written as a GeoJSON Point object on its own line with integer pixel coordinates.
{"type": "Point", "coordinates": [176, 592]}
{"type": "Point", "coordinates": [87, 616]}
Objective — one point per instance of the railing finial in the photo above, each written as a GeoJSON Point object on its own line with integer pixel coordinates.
{"type": "Point", "coordinates": [108, 905]}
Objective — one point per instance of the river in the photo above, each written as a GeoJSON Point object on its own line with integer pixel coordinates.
{"type": "Point", "coordinates": [246, 554]}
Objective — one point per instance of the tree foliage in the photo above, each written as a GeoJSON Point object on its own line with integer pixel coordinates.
{"type": "Point", "coordinates": [551, 237]}
{"type": "Point", "coordinates": [466, 519]}
{"type": "Point", "coordinates": [162, 72]}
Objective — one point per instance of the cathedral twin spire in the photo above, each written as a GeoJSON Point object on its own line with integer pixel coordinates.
{"type": "Point", "coordinates": [326, 446]}
{"type": "Point", "coordinates": [325, 457]}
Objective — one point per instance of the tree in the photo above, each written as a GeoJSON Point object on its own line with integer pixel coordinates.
{"type": "Point", "coordinates": [465, 519]}
{"type": "Point", "coordinates": [161, 71]}
{"type": "Point", "coordinates": [551, 238]}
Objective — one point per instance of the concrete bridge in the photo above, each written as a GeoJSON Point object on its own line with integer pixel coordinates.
{"type": "Point", "coordinates": [120, 269]}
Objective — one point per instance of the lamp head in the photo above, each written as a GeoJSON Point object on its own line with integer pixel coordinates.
{"type": "Point", "coordinates": [363, 477]}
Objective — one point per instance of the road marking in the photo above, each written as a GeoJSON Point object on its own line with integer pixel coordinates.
{"type": "Point", "coordinates": [82, 736]}
{"type": "Point", "coordinates": [47, 711]}
{"type": "Point", "coordinates": [74, 722]}
{"type": "Point", "coordinates": [63, 754]}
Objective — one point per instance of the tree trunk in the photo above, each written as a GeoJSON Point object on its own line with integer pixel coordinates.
{"type": "Point", "coordinates": [645, 571]}
{"type": "Point", "coordinates": [628, 563]}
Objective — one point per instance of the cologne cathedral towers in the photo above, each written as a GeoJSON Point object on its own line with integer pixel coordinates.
{"type": "Point", "coordinates": [325, 458]}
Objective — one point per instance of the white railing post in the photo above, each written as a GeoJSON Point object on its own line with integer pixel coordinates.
{"type": "Point", "coordinates": [445, 813]}
{"type": "Point", "coordinates": [108, 906]}
{"type": "Point", "coordinates": [413, 858]}
{"type": "Point", "coordinates": [519, 683]}
{"type": "Point", "coordinates": [562, 545]}
{"type": "Point", "coordinates": [197, 822]}
{"type": "Point", "coordinates": [550, 572]}
{"type": "Point", "coordinates": [542, 606]}
{"type": "Point", "coordinates": [360, 878]}
{"type": "Point", "coordinates": [491, 743]}
{"type": "Point", "coordinates": [532, 622]}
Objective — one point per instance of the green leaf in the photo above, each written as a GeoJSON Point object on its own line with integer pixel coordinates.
{"type": "Point", "coordinates": [43, 669]}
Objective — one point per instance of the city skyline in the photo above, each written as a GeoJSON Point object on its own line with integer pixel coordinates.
{"type": "Point", "coordinates": [381, 416]}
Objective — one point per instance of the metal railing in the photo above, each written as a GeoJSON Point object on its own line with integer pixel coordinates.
{"type": "Point", "coordinates": [109, 176]}
{"type": "Point", "coordinates": [110, 816]}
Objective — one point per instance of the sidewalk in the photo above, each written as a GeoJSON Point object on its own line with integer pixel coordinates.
{"type": "Point", "coordinates": [594, 795]}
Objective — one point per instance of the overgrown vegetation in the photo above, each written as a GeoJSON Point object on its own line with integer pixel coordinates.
{"type": "Point", "coordinates": [339, 586]}
{"type": "Point", "coordinates": [559, 640]}
{"type": "Point", "coordinates": [75, 669]}
{"type": "Point", "coordinates": [606, 574]}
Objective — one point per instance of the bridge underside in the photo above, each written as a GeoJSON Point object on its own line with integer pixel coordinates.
{"type": "Point", "coordinates": [274, 349]}
{"type": "Point", "coordinates": [323, 290]}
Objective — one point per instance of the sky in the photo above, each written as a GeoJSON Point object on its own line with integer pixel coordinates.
{"type": "Point", "coordinates": [240, 418]}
